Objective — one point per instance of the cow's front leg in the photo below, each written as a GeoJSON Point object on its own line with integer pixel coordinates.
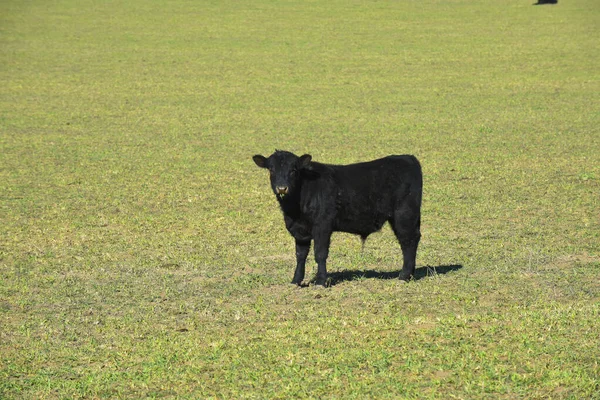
{"type": "Point", "coordinates": [302, 249]}
{"type": "Point", "coordinates": [322, 239]}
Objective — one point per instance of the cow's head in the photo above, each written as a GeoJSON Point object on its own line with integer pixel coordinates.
{"type": "Point", "coordinates": [285, 169]}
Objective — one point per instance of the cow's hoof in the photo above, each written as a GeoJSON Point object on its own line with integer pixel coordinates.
{"type": "Point", "coordinates": [321, 282]}
{"type": "Point", "coordinates": [405, 277]}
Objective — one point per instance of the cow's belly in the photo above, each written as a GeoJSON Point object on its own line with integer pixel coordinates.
{"type": "Point", "coordinates": [362, 224]}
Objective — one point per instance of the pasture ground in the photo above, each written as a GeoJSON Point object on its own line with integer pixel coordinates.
{"type": "Point", "coordinates": [142, 254]}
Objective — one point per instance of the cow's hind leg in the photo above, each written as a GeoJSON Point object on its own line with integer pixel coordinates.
{"type": "Point", "coordinates": [407, 227]}
{"type": "Point", "coordinates": [409, 253]}
{"type": "Point", "coordinates": [302, 249]}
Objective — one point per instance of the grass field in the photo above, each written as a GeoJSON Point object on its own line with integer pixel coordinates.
{"type": "Point", "coordinates": [142, 254]}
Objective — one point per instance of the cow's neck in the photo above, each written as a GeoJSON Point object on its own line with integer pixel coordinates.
{"type": "Point", "coordinates": [290, 205]}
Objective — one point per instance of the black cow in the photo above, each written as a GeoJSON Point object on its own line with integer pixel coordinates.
{"type": "Point", "coordinates": [319, 199]}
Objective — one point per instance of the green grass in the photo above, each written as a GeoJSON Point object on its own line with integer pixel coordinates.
{"type": "Point", "coordinates": [142, 254]}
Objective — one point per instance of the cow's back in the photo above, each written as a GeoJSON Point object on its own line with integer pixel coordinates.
{"type": "Point", "coordinates": [381, 175]}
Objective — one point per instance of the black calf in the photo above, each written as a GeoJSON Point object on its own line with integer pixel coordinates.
{"type": "Point", "coordinates": [319, 199]}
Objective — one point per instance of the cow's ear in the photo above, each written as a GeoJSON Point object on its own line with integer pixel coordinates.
{"type": "Point", "coordinates": [304, 161]}
{"type": "Point", "coordinates": [260, 161]}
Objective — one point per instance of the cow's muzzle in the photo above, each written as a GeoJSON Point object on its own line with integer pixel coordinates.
{"type": "Point", "coordinates": [281, 191]}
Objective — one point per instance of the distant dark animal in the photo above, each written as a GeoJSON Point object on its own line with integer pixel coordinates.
{"type": "Point", "coordinates": [319, 199]}
{"type": "Point", "coordinates": [540, 2]}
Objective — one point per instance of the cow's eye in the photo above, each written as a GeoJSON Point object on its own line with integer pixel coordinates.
{"type": "Point", "coordinates": [293, 172]}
